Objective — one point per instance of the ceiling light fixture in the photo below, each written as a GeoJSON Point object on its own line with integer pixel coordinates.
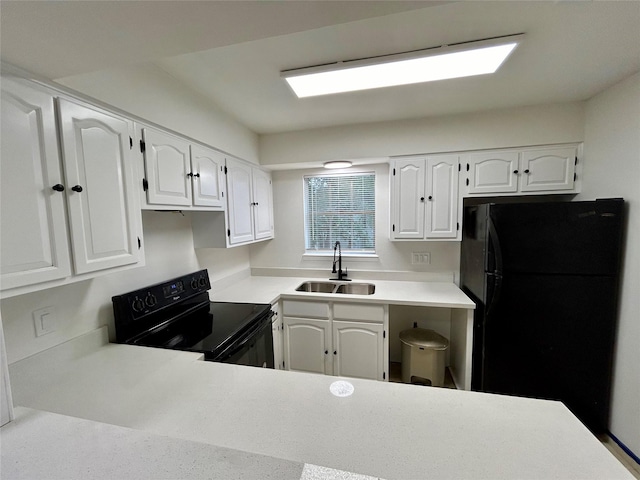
{"type": "Point", "coordinates": [438, 63]}
{"type": "Point", "coordinates": [338, 164]}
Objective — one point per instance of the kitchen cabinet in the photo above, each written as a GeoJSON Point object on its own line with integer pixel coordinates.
{"type": "Point", "coordinates": [424, 198]}
{"type": "Point", "coordinates": [336, 338]}
{"type": "Point", "coordinates": [180, 173]}
{"type": "Point", "coordinates": [76, 214]}
{"type": "Point", "coordinates": [249, 213]}
{"type": "Point", "coordinates": [537, 170]}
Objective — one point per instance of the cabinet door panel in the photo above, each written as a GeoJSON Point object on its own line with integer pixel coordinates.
{"type": "Point", "coordinates": [442, 196]}
{"type": "Point", "coordinates": [493, 172]}
{"type": "Point", "coordinates": [167, 167]}
{"type": "Point", "coordinates": [305, 344]}
{"type": "Point", "coordinates": [358, 350]}
{"type": "Point", "coordinates": [408, 190]}
{"type": "Point", "coordinates": [240, 208]}
{"type": "Point", "coordinates": [103, 215]}
{"type": "Point", "coordinates": [208, 182]}
{"type": "Point", "coordinates": [34, 243]}
{"type": "Point", "coordinates": [263, 208]}
{"type": "Point", "coordinates": [549, 169]}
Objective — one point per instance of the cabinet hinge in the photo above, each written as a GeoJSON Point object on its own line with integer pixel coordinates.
{"type": "Point", "coordinates": [139, 244]}
{"type": "Point", "coordinates": [393, 228]}
{"type": "Point", "coordinates": [458, 226]}
{"type": "Point", "coordinates": [467, 182]}
{"type": "Point", "coordinates": [283, 364]}
{"type": "Point", "coordinates": [143, 146]}
{"type": "Point", "coordinates": [145, 184]}
{"type": "Point", "coordinates": [225, 169]}
{"type": "Point", "coordinates": [576, 161]}
{"type": "Point", "coordinates": [130, 143]}
{"type": "Point", "coordinates": [384, 375]}
{"type": "Point", "coordinates": [384, 334]}
{"type": "Point", "coordinates": [467, 167]}
{"type": "Point", "coordinates": [575, 176]}
{"type": "Point", "coordinates": [394, 172]}
{"type": "Point", "coordinates": [459, 167]}
{"type": "Point", "coordinates": [228, 233]}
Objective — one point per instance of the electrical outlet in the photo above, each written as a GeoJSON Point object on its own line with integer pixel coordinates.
{"type": "Point", "coordinates": [44, 320]}
{"type": "Point", "coordinates": [420, 258]}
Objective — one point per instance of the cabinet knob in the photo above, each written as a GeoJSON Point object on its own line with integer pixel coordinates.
{"type": "Point", "coordinates": [326, 352]}
{"type": "Point", "coordinates": [422, 199]}
{"type": "Point", "coordinates": [527, 171]}
{"type": "Point", "coordinates": [196, 175]}
{"type": "Point", "coordinates": [189, 174]}
{"type": "Point", "coordinates": [430, 197]}
{"type": "Point", "coordinates": [515, 172]}
{"type": "Point", "coordinates": [76, 188]}
{"type": "Point", "coordinates": [335, 352]}
{"type": "Point", "coordinates": [58, 187]}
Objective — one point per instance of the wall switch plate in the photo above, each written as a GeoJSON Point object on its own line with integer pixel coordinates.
{"type": "Point", "coordinates": [420, 258]}
{"type": "Point", "coordinates": [44, 320]}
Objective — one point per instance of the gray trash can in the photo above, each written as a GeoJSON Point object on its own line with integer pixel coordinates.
{"type": "Point", "coordinates": [423, 356]}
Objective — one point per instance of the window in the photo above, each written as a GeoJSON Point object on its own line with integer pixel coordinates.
{"type": "Point", "coordinates": [340, 207]}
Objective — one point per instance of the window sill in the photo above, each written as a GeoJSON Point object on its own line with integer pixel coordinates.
{"type": "Point", "coordinates": [353, 256]}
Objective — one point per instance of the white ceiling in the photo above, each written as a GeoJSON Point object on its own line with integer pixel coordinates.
{"type": "Point", "coordinates": [233, 51]}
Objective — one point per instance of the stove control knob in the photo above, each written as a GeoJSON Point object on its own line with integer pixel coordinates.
{"type": "Point", "coordinates": [202, 282]}
{"type": "Point", "coordinates": [194, 284]}
{"type": "Point", "coordinates": [137, 305]}
{"type": "Point", "coordinates": [151, 300]}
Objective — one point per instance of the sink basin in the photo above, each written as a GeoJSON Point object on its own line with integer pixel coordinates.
{"type": "Point", "coordinates": [357, 288]}
{"type": "Point", "coordinates": [320, 287]}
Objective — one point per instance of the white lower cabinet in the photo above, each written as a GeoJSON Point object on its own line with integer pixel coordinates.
{"type": "Point", "coordinates": [350, 341]}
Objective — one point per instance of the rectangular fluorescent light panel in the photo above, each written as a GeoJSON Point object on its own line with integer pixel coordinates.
{"type": "Point", "coordinates": [477, 58]}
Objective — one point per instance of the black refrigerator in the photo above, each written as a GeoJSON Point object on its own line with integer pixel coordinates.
{"type": "Point", "coordinates": [544, 277]}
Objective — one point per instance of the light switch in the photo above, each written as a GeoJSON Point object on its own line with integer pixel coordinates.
{"type": "Point", "coordinates": [44, 320]}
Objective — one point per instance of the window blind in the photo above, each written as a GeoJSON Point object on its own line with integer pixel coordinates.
{"type": "Point", "coordinates": [340, 207]}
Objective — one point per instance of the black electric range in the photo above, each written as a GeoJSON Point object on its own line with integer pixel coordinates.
{"type": "Point", "coordinates": [178, 314]}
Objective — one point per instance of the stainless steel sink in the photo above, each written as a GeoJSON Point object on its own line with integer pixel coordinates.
{"type": "Point", "coordinates": [319, 287]}
{"type": "Point", "coordinates": [343, 288]}
{"type": "Point", "coordinates": [357, 288]}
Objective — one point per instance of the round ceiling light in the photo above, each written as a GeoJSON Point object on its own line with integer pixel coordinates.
{"type": "Point", "coordinates": [338, 164]}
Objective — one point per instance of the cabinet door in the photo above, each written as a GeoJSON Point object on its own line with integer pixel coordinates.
{"type": "Point", "coordinates": [442, 196]}
{"type": "Point", "coordinates": [358, 350]}
{"type": "Point", "coordinates": [168, 169]}
{"type": "Point", "coordinates": [103, 211]}
{"type": "Point", "coordinates": [207, 167]}
{"type": "Point", "coordinates": [548, 169]}
{"type": "Point", "coordinates": [263, 205]}
{"type": "Point", "coordinates": [306, 344]}
{"type": "Point", "coordinates": [408, 198]}
{"type": "Point", "coordinates": [493, 172]}
{"type": "Point", "coordinates": [34, 244]}
{"type": "Point", "coordinates": [239, 208]}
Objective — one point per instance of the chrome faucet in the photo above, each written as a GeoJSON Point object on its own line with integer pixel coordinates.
{"type": "Point", "coordinates": [341, 275]}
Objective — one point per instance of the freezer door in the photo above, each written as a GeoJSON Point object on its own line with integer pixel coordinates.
{"type": "Point", "coordinates": [473, 251]}
{"type": "Point", "coordinates": [559, 237]}
{"type": "Point", "coordinates": [552, 337]}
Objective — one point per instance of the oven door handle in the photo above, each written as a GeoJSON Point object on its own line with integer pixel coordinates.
{"type": "Point", "coordinates": [246, 338]}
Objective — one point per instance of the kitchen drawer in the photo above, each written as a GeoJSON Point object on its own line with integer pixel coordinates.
{"type": "Point", "coordinates": [295, 308]}
{"type": "Point", "coordinates": [358, 311]}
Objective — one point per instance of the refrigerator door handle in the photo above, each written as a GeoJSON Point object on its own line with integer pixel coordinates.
{"type": "Point", "coordinates": [495, 297]}
{"type": "Point", "coordinates": [497, 250]}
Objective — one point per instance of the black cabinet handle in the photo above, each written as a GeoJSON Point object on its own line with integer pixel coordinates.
{"type": "Point", "coordinates": [335, 352]}
{"type": "Point", "coordinates": [196, 175]}
{"type": "Point", "coordinates": [430, 197]}
{"type": "Point", "coordinates": [326, 352]}
{"type": "Point", "coordinates": [76, 188]}
{"type": "Point", "coordinates": [526, 171]}
{"type": "Point", "coordinates": [189, 174]}
{"type": "Point", "coordinates": [422, 199]}
{"type": "Point", "coordinates": [58, 187]}
{"type": "Point", "coordinates": [515, 171]}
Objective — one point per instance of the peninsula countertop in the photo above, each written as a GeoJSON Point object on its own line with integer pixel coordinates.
{"type": "Point", "coordinates": [383, 430]}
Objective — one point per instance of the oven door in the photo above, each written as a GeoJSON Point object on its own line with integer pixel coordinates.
{"type": "Point", "coordinates": [254, 348]}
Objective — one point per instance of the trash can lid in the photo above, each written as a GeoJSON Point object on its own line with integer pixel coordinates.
{"type": "Point", "coordinates": [422, 337]}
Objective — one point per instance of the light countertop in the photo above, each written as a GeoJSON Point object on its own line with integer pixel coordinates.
{"type": "Point", "coordinates": [263, 289]}
{"type": "Point", "coordinates": [383, 430]}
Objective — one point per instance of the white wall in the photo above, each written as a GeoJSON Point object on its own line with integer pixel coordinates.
{"type": "Point", "coordinates": [542, 124]}
{"type": "Point", "coordinates": [612, 169]}
{"type": "Point", "coordinates": [287, 248]}
{"type": "Point", "coordinates": [152, 94]}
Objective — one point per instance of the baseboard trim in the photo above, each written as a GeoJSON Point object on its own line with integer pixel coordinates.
{"type": "Point", "coordinates": [624, 448]}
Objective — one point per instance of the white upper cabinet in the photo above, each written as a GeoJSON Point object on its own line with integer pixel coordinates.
{"type": "Point", "coordinates": [239, 187]}
{"type": "Point", "coordinates": [64, 217]}
{"type": "Point", "coordinates": [425, 197]}
{"type": "Point", "coordinates": [207, 179]}
{"type": "Point", "coordinates": [100, 193]}
{"type": "Point", "coordinates": [34, 241]}
{"type": "Point", "coordinates": [262, 204]}
{"type": "Point", "coordinates": [538, 170]}
{"type": "Point", "coordinates": [493, 172]}
{"type": "Point", "coordinates": [179, 173]}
